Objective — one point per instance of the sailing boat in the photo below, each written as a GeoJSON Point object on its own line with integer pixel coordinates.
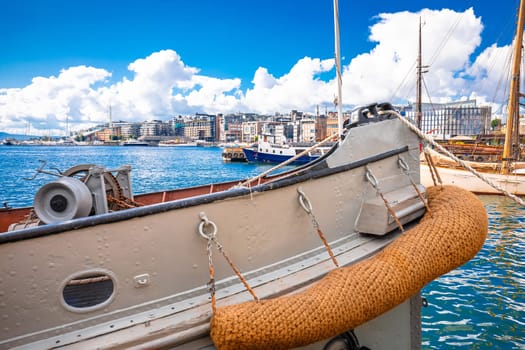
{"type": "Point", "coordinates": [507, 176]}
{"type": "Point", "coordinates": [314, 257]}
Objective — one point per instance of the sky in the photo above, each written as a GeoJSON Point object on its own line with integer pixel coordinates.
{"type": "Point", "coordinates": [63, 63]}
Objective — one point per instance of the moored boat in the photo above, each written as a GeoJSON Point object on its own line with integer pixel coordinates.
{"type": "Point", "coordinates": [233, 154]}
{"type": "Point", "coordinates": [93, 266]}
{"type": "Point", "coordinates": [176, 143]}
{"type": "Point", "coordinates": [134, 142]}
{"type": "Point", "coordinates": [506, 175]}
{"type": "Point", "coordinates": [266, 152]}
{"type": "Point", "coordinates": [313, 257]}
{"type": "Point", "coordinates": [9, 142]}
{"type": "Point", "coordinates": [487, 180]}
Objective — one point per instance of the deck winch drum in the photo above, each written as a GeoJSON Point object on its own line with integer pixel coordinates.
{"type": "Point", "coordinates": [65, 199]}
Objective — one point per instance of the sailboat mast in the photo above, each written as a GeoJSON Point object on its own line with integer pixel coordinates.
{"type": "Point", "coordinates": [513, 106]}
{"type": "Point", "coordinates": [338, 71]}
{"type": "Point", "coordinates": [418, 81]}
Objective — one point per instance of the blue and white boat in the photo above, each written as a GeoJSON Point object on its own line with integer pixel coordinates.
{"type": "Point", "coordinates": [134, 142]}
{"type": "Point", "coordinates": [266, 152]}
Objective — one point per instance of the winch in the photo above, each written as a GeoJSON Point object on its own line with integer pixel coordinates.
{"type": "Point", "coordinates": [80, 191]}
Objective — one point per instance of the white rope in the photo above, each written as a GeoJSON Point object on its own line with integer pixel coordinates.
{"type": "Point", "coordinates": [449, 154]}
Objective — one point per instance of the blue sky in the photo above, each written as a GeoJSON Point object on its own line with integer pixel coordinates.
{"type": "Point", "coordinates": [154, 59]}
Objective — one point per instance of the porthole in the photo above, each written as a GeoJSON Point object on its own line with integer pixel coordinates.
{"type": "Point", "coordinates": [88, 290]}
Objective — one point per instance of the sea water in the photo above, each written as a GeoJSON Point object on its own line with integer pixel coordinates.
{"type": "Point", "coordinates": [153, 169]}
{"type": "Point", "coordinates": [480, 305]}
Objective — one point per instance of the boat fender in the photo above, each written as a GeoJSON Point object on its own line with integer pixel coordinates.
{"type": "Point", "coordinates": [449, 235]}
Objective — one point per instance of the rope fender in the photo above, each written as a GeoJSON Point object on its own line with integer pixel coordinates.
{"type": "Point", "coordinates": [350, 296]}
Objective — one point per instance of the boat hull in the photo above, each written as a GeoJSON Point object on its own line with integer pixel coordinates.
{"type": "Point", "coordinates": [450, 234]}
{"type": "Point", "coordinates": [148, 267]}
{"type": "Point", "coordinates": [512, 183]}
{"type": "Point", "coordinates": [233, 154]}
{"type": "Point", "coordinates": [253, 155]}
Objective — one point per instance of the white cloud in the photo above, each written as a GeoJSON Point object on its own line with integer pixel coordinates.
{"type": "Point", "coordinates": [162, 85]}
{"type": "Point", "coordinates": [388, 72]}
{"type": "Point", "coordinates": [212, 94]}
{"type": "Point", "coordinates": [149, 93]}
{"type": "Point", "coordinates": [50, 102]}
{"type": "Point", "coordinates": [263, 79]}
{"type": "Point", "coordinates": [300, 89]}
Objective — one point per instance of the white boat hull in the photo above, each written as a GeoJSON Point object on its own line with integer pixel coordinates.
{"type": "Point", "coordinates": [156, 263]}
{"type": "Point", "coordinates": [512, 183]}
{"type": "Point", "coordinates": [140, 278]}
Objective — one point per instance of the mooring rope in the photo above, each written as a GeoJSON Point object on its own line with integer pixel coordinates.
{"type": "Point", "coordinates": [436, 179]}
{"type": "Point", "coordinates": [211, 237]}
{"type": "Point", "coordinates": [307, 206]}
{"type": "Point", "coordinates": [406, 170]}
{"type": "Point", "coordinates": [449, 154]}
{"type": "Point", "coordinates": [372, 180]}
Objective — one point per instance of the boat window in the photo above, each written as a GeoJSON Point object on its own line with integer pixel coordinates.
{"type": "Point", "coordinates": [88, 291]}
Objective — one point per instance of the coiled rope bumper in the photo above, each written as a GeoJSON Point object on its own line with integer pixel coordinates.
{"type": "Point", "coordinates": [347, 297]}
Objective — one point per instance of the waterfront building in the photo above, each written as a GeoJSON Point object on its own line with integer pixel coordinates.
{"type": "Point", "coordinates": [231, 126]}
{"type": "Point", "coordinates": [233, 132]}
{"type": "Point", "coordinates": [274, 132]}
{"type": "Point", "coordinates": [245, 127]}
{"type": "Point", "coordinates": [151, 128]}
{"type": "Point", "coordinates": [332, 124]}
{"type": "Point", "coordinates": [297, 115]}
{"type": "Point", "coordinates": [307, 130]}
{"type": "Point", "coordinates": [251, 130]}
{"type": "Point", "coordinates": [177, 125]}
{"type": "Point", "coordinates": [127, 130]}
{"type": "Point", "coordinates": [88, 136]}
{"type": "Point", "coordinates": [203, 127]}
{"type": "Point", "coordinates": [320, 128]}
{"type": "Point", "coordinates": [103, 135]}
{"type": "Point", "coordinates": [447, 120]}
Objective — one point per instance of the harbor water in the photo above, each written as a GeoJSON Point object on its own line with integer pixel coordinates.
{"type": "Point", "coordinates": [480, 305]}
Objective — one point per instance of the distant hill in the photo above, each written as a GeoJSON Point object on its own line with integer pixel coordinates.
{"type": "Point", "coordinates": [5, 135]}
